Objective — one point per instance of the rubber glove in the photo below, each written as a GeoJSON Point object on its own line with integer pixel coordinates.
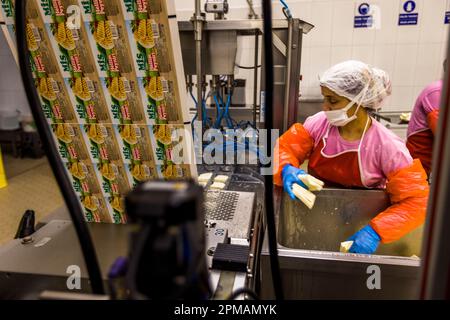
{"type": "Point", "coordinates": [365, 241]}
{"type": "Point", "coordinates": [290, 176]}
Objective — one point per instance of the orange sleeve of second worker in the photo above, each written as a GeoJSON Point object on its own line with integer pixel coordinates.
{"type": "Point", "coordinates": [408, 190]}
{"type": "Point", "coordinates": [293, 147]}
{"type": "Point", "coordinates": [432, 119]}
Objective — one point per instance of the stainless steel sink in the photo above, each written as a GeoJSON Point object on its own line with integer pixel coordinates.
{"type": "Point", "coordinates": [309, 242]}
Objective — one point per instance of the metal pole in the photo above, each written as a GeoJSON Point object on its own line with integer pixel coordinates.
{"type": "Point", "coordinates": [198, 21]}
{"type": "Point", "coordinates": [287, 87]}
{"type": "Point", "coordinates": [255, 75]}
{"type": "Point", "coordinates": [436, 246]}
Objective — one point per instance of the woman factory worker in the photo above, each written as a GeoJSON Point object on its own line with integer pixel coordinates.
{"type": "Point", "coordinates": [423, 124]}
{"type": "Point", "coordinates": [348, 148]}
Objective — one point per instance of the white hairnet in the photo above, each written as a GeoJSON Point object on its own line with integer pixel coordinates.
{"type": "Point", "coordinates": [358, 82]}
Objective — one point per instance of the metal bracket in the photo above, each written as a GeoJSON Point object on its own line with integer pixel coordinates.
{"type": "Point", "coordinates": [279, 44]}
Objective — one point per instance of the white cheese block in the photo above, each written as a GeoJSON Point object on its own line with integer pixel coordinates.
{"type": "Point", "coordinates": [217, 185]}
{"type": "Point", "coordinates": [205, 177]}
{"type": "Point", "coordinates": [345, 246]}
{"type": "Point", "coordinates": [221, 178]}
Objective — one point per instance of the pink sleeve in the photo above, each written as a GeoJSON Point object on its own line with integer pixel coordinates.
{"type": "Point", "coordinates": [316, 126]}
{"type": "Point", "coordinates": [395, 156]}
{"type": "Point", "coordinates": [431, 101]}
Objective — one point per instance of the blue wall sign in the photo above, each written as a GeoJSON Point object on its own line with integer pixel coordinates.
{"type": "Point", "coordinates": [364, 19]}
{"type": "Point", "coordinates": [447, 13]}
{"type": "Point", "coordinates": [408, 16]}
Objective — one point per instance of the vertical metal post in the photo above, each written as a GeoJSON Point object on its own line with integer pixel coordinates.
{"type": "Point", "coordinates": [198, 21]}
{"type": "Point", "coordinates": [255, 76]}
{"type": "Point", "coordinates": [436, 247]}
{"type": "Point", "coordinates": [287, 87]}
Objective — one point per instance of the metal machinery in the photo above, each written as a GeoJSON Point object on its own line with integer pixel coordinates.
{"type": "Point", "coordinates": [217, 57]}
{"type": "Point", "coordinates": [232, 216]}
{"type": "Point", "coordinates": [311, 264]}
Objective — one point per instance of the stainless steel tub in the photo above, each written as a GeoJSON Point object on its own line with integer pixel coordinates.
{"type": "Point", "coordinates": [309, 242]}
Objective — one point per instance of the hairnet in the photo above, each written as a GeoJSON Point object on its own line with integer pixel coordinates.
{"type": "Point", "coordinates": [358, 82]}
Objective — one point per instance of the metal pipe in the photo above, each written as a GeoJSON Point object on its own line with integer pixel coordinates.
{"type": "Point", "coordinates": [436, 257]}
{"type": "Point", "coordinates": [198, 20]}
{"type": "Point", "coordinates": [255, 75]}
{"type": "Point", "coordinates": [287, 87]}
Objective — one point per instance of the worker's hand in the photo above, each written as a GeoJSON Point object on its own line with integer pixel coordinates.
{"type": "Point", "coordinates": [365, 241]}
{"type": "Point", "coordinates": [290, 176]}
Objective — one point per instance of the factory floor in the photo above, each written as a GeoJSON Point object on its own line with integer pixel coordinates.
{"type": "Point", "coordinates": [31, 185]}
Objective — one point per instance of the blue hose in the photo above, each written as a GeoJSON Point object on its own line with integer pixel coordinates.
{"type": "Point", "coordinates": [220, 113]}
{"type": "Point", "coordinates": [286, 9]}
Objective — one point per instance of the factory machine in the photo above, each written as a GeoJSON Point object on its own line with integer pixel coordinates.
{"type": "Point", "coordinates": [223, 231]}
{"type": "Point", "coordinates": [232, 214]}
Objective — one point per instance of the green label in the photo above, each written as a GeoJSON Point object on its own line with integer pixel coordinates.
{"type": "Point", "coordinates": [47, 111]}
{"type": "Point", "coordinates": [106, 187]}
{"type": "Point", "coordinates": [94, 152]}
{"type": "Point", "coordinates": [89, 216]}
{"type": "Point", "coordinates": [129, 5]}
{"type": "Point", "coordinates": [140, 59]}
{"type": "Point", "coordinates": [64, 63]}
{"type": "Point", "coordinates": [117, 218]}
{"type": "Point", "coordinates": [63, 152]}
{"type": "Point", "coordinates": [151, 111]}
{"type": "Point", "coordinates": [76, 186]}
{"type": "Point", "coordinates": [102, 62]}
{"type": "Point", "coordinates": [81, 111]}
{"type": "Point", "coordinates": [46, 7]}
{"type": "Point", "coordinates": [160, 153]}
{"type": "Point", "coordinates": [86, 6]}
{"type": "Point", "coordinates": [115, 110]}
{"type": "Point", "coordinates": [127, 153]}
{"type": "Point", "coordinates": [7, 8]}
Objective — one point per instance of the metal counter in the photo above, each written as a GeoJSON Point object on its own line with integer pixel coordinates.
{"type": "Point", "coordinates": [309, 240]}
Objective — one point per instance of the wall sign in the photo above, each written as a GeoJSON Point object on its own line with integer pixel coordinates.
{"type": "Point", "coordinates": [409, 14]}
{"type": "Point", "coordinates": [363, 16]}
{"type": "Point", "coordinates": [447, 13]}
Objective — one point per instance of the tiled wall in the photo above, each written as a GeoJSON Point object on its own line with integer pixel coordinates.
{"type": "Point", "coordinates": [412, 55]}
{"type": "Point", "coordinates": [12, 95]}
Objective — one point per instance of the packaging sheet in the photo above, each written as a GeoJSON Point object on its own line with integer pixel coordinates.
{"type": "Point", "coordinates": [110, 78]}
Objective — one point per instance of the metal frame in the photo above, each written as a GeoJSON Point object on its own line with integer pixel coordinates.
{"type": "Point", "coordinates": [287, 47]}
{"type": "Point", "coordinates": [436, 262]}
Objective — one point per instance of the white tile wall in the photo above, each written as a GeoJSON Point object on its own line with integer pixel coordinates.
{"type": "Point", "coordinates": [412, 55]}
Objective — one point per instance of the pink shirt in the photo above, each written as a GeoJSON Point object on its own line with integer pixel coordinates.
{"type": "Point", "coordinates": [428, 100]}
{"type": "Point", "coordinates": [382, 152]}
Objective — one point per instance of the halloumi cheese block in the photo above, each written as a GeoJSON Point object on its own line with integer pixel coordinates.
{"type": "Point", "coordinates": [345, 246]}
{"type": "Point", "coordinates": [311, 182]}
{"type": "Point", "coordinates": [221, 178]}
{"type": "Point", "coordinates": [217, 185]}
{"type": "Point", "coordinates": [305, 196]}
{"type": "Point", "coordinates": [205, 177]}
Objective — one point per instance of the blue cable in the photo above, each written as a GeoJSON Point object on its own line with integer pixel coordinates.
{"type": "Point", "coordinates": [286, 9]}
{"type": "Point", "coordinates": [205, 121]}
{"type": "Point", "coordinates": [227, 114]}
{"type": "Point", "coordinates": [219, 113]}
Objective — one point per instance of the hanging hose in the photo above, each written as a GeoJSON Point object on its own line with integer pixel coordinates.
{"type": "Point", "coordinates": [219, 113]}
{"type": "Point", "coordinates": [205, 120]}
{"type": "Point", "coordinates": [70, 198]}
{"type": "Point", "coordinates": [270, 215]}
{"type": "Point", "coordinates": [286, 10]}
